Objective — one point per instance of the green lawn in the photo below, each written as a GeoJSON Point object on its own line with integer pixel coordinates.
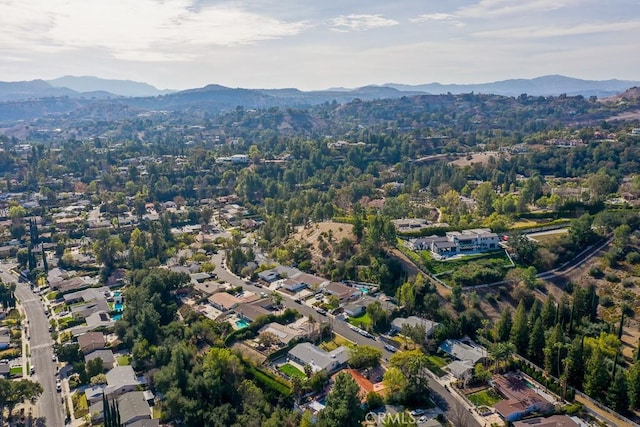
{"type": "Point", "coordinates": [487, 397]}
{"type": "Point", "coordinates": [440, 362]}
{"type": "Point", "coordinates": [439, 267]}
{"type": "Point", "coordinates": [15, 371]}
{"type": "Point", "coordinates": [291, 371]}
{"type": "Point", "coordinates": [361, 321]}
{"type": "Point", "coordinates": [123, 360]}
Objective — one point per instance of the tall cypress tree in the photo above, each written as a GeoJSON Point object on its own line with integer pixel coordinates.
{"type": "Point", "coordinates": [106, 411]}
{"type": "Point", "coordinates": [536, 343]}
{"type": "Point", "coordinates": [519, 335]}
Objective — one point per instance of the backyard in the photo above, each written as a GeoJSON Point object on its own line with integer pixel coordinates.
{"type": "Point", "coordinates": [291, 371]}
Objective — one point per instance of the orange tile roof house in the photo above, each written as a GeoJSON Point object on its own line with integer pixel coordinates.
{"type": "Point", "coordinates": [520, 399]}
{"type": "Point", "coordinates": [365, 385]}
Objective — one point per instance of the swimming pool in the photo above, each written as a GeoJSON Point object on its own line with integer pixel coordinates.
{"type": "Point", "coordinates": [118, 306]}
{"type": "Point", "coordinates": [364, 290]}
{"type": "Point", "coordinates": [241, 323]}
{"type": "Point", "coordinates": [116, 316]}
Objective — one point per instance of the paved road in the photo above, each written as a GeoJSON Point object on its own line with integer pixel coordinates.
{"type": "Point", "coordinates": [49, 408]}
{"type": "Point", "coordinates": [454, 410]}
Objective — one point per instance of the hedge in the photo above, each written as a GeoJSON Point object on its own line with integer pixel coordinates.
{"type": "Point", "coordinates": [269, 381]}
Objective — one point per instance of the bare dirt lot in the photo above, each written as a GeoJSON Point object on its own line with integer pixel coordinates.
{"type": "Point", "coordinates": [479, 158]}
{"type": "Point", "coordinates": [330, 232]}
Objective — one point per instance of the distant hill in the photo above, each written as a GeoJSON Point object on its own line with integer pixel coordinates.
{"type": "Point", "coordinates": [539, 86]}
{"type": "Point", "coordinates": [116, 87]}
{"type": "Point", "coordinates": [15, 91]}
{"type": "Point", "coordinates": [38, 98]}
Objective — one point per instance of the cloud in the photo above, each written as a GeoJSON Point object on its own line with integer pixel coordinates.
{"type": "Point", "coordinates": [433, 17]}
{"type": "Point", "coordinates": [495, 8]}
{"type": "Point", "coordinates": [150, 30]}
{"type": "Point", "coordinates": [530, 32]}
{"type": "Point", "coordinates": [361, 22]}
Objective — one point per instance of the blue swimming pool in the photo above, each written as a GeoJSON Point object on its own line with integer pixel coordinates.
{"type": "Point", "coordinates": [241, 323]}
{"type": "Point", "coordinates": [118, 307]}
{"type": "Point", "coordinates": [116, 316]}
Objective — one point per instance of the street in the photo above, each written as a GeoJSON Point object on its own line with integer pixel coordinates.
{"type": "Point", "coordinates": [454, 409]}
{"type": "Point", "coordinates": [49, 409]}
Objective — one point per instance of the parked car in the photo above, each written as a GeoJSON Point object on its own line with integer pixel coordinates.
{"type": "Point", "coordinates": [390, 348]}
{"type": "Point", "coordinates": [321, 311]}
{"type": "Point", "coordinates": [58, 386]}
{"type": "Point", "coordinates": [297, 301]}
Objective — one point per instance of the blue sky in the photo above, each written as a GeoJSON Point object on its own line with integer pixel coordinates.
{"type": "Point", "coordinates": [318, 44]}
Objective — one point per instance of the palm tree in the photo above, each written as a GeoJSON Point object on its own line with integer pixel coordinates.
{"type": "Point", "coordinates": [501, 351]}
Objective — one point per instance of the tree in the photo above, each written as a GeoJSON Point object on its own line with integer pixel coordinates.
{"type": "Point", "coordinates": [580, 231]}
{"type": "Point", "coordinates": [374, 400]}
{"type": "Point", "coordinates": [548, 313]}
{"type": "Point", "coordinates": [364, 356]}
{"type": "Point", "coordinates": [519, 334]}
{"type": "Point", "coordinates": [617, 397]}
{"type": "Point", "coordinates": [501, 351]}
{"type": "Point", "coordinates": [596, 380]}
{"type": "Point", "coordinates": [413, 365]}
{"type": "Point", "coordinates": [394, 381]}
{"type": "Point", "coordinates": [504, 325]}
{"type": "Point", "coordinates": [95, 367]}
{"type": "Point", "coordinates": [535, 350]}
{"type": "Point", "coordinates": [633, 381]}
{"type": "Point", "coordinates": [377, 314]}
{"type": "Point", "coordinates": [13, 393]}
{"type": "Point", "coordinates": [343, 404]}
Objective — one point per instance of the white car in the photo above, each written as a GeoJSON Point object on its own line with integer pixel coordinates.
{"type": "Point", "coordinates": [58, 386]}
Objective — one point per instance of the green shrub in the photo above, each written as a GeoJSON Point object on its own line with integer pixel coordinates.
{"type": "Point", "coordinates": [596, 272]}
{"type": "Point", "coordinates": [612, 277]}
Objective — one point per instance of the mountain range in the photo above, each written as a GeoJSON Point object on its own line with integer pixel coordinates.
{"type": "Point", "coordinates": [37, 98]}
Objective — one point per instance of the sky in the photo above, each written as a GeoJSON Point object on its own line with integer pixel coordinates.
{"type": "Point", "coordinates": [318, 44]}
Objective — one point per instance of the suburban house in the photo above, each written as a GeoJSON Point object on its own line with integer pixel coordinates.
{"type": "Point", "coordinates": [283, 333]}
{"type": "Point", "coordinates": [94, 394]}
{"type": "Point", "coordinates": [366, 386]}
{"type": "Point", "coordinates": [342, 292]}
{"type": "Point", "coordinates": [269, 276]}
{"type": "Point", "coordinates": [224, 301]}
{"type": "Point", "coordinates": [132, 407]}
{"type": "Point", "coordinates": [461, 369]}
{"type": "Point", "coordinates": [414, 321]}
{"type": "Point", "coordinates": [300, 281]}
{"type": "Point", "coordinates": [464, 350]}
{"type": "Point", "coordinates": [252, 310]}
{"type": "Point", "coordinates": [199, 277]}
{"type": "Point", "coordinates": [458, 242]}
{"type": "Point", "coordinates": [120, 380]}
{"type": "Point", "coordinates": [107, 357]}
{"type": "Point", "coordinates": [520, 399]}
{"type": "Point", "coordinates": [319, 360]}
{"type": "Point", "coordinates": [355, 309]}
{"type": "Point", "coordinates": [5, 341]}
{"type": "Point", "coordinates": [91, 341]}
